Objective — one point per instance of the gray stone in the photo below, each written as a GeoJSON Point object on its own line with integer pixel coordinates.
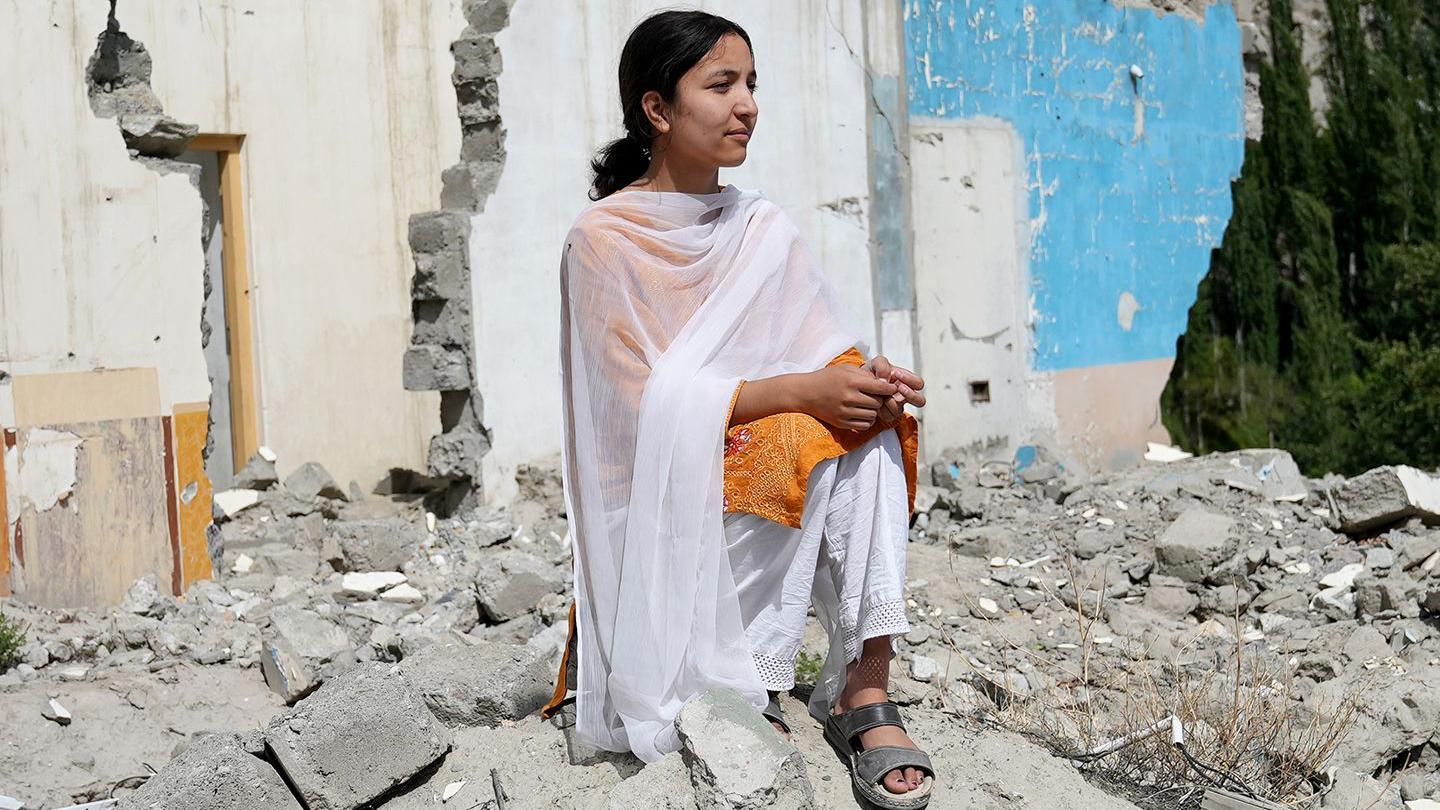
{"type": "Point", "coordinates": [1366, 643]}
{"type": "Point", "coordinates": [1394, 714]}
{"type": "Point", "coordinates": [1415, 550]}
{"type": "Point", "coordinates": [982, 541]}
{"type": "Point", "coordinates": [310, 480]}
{"type": "Point", "coordinates": [285, 671]}
{"type": "Point", "coordinates": [309, 634]}
{"type": "Point", "coordinates": [214, 772]}
{"type": "Point", "coordinates": [377, 545]}
{"type": "Point", "coordinates": [511, 583]}
{"type": "Point", "coordinates": [259, 473]}
{"type": "Point", "coordinates": [435, 368]}
{"type": "Point", "coordinates": [1194, 545]}
{"type": "Point", "coordinates": [1385, 495]}
{"type": "Point", "coordinates": [144, 597]}
{"type": "Point", "coordinates": [736, 758]}
{"type": "Point", "coordinates": [663, 785]}
{"type": "Point", "coordinates": [156, 135]}
{"type": "Point", "coordinates": [439, 241]}
{"type": "Point", "coordinates": [1169, 597]}
{"type": "Point", "coordinates": [1224, 600]}
{"type": "Point", "coordinates": [1091, 542]}
{"type": "Point", "coordinates": [357, 737]}
{"type": "Point", "coordinates": [1357, 791]}
{"type": "Point", "coordinates": [480, 684]}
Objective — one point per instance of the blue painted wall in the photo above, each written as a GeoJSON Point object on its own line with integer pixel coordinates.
{"type": "Point", "coordinates": [1109, 213]}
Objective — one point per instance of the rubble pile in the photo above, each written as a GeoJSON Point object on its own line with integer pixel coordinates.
{"type": "Point", "coordinates": [369, 654]}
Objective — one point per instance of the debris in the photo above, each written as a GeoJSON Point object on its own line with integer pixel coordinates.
{"type": "Point", "coordinates": [217, 773]}
{"type": "Point", "coordinates": [310, 480]}
{"type": "Point", "coordinates": [452, 789]}
{"type": "Point", "coordinates": [1385, 495]}
{"type": "Point", "coordinates": [1194, 544]}
{"type": "Point", "coordinates": [480, 684]}
{"type": "Point", "coordinates": [736, 759]}
{"type": "Point", "coordinates": [56, 712]}
{"type": "Point", "coordinates": [314, 743]}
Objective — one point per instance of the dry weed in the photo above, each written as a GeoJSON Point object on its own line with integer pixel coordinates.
{"type": "Point", "coordinates": [1245, 729]}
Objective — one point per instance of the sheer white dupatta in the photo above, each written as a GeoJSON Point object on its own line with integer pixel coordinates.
{"type": "Point", "coordinates": [669, 300]}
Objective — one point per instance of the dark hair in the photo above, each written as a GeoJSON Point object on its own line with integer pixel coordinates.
{"type": "Point", "coordinates": [657, 53]}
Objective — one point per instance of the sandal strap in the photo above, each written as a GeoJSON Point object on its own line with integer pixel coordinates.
{"type": "Point", "coordinates": [864, 718]}
{"type": "Point", "coordinates": [773, 713]}
{"type": "Point", "coordinates": [872, 764]}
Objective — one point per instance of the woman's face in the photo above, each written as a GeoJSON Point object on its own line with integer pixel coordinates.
{"type": "Point", "coordinates": [714, 111]}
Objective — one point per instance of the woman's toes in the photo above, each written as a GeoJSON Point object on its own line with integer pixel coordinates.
{"type": "Point", "coordinates": [912, 775]}
{"type": "Point", "coordinates": [895, 781]}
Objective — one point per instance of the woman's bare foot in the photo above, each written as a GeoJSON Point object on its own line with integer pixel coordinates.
{"type": "Point", "coordinates": [867, 681]}
{"type": "Point", "coordinates": [779, 729]}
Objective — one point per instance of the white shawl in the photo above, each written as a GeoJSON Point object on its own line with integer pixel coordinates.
{"type": "Point", "coordinates": [669, 301]}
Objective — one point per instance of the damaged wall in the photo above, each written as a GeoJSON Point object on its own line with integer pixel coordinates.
{"type": "Point", "coordinates": [348, 116]}
{"type": "Point", "coordinates": [1072, 165]}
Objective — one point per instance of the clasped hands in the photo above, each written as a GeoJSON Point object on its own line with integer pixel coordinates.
{"type": "Point", "coordinates": [856, 397]}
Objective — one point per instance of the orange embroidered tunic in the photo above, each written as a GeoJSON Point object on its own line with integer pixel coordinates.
{"type": "Point", "coordinates": [768, 461]}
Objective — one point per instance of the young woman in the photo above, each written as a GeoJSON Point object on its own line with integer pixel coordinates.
{"type": "Point", "coordinates": [730, 455]}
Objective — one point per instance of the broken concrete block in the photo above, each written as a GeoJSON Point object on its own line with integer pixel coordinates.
{"type": "Point", "coordinates": [456, 454]}
{"type": "Point", "coordinates": [404, 593]}
{"type": "Point", "coordinates": [259, 473]}
{"type": "Point", "coordinates": [286, 673]}
{"type": "Point", "coordinates": [309, 634]}
{"type": "Point", "coordinates": [440, 243]}
{"type": "Point", "coordinates": [736, 758]}
{"type": "Point", "coordinates": [55, 712]}
{"type": "Point", "coordinates": [1356, 790]}
{"type": "Point", "coordinates": [377, 545]}
{"type": "Point", "coordinates": [663, 785]}
{"type": "Point", "coordinates": [1169, 597]}
{"type": "Point", "coordinates": [480, 684]}
{"type": "Point", "coordinates": [435, 368]}
{"type": "Point", "coordinates": [365, 585]}
{"type": "Point", "coordinates": [511, 583]}
{"type": "Point", "coordinates": [231, 502]}
{"type": "Point", "coordinates": [217, 773]}
{"type": "Point", "coordinates": [1415, 550]}
{"type": "Point", "coordinates": [156, 135]}
{"type": "Point", "coordinates": [1194, 544]}
{"type": "Point", "coordinates": [1384, 495]}
{"type": "Point", "coordinates": [310, 480]}
{"type": "Point", "coordinates": [355, 738]}
{"type": "Point", "coordinates": [144, 597]}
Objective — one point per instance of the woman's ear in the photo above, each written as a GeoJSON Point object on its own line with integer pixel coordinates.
{"type": "Point", "coordinates": [657, 111]}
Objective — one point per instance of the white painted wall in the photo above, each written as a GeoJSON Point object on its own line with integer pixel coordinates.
{"type": "Point", "coordinates": [90, 241]}
{"type": "Point", "coordinates": [973, 319]}
{"type": "Point", "coordinates": [559, 102]}
{"type": "Point", "coordinates": [349, 118]}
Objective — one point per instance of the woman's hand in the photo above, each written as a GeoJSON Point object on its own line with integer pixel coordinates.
{"type": "Point", "coordinates": [907, 383]}
{"type": "Point", "coordinates": [844, 396]}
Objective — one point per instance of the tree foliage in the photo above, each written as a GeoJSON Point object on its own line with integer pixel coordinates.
{"type": "Point", "coordinates": [1316, 327]}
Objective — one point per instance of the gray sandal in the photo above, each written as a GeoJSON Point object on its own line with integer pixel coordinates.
{"type": "Point", "coordinates": [869, 766]}
{"type": "Point", "coordinates": [772, 711]}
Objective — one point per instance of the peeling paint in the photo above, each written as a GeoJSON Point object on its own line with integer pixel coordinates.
{"type": "Point", "coordinates": [1125, 310]}
{"type": "Point", "coordinates": [1127, 177]}
{"type": "Point", "coordinates": [46, 470]}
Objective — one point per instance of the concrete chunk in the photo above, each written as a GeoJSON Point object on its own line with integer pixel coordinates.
{"type": "Point", "coordinates": [216, 773]}
{"type": "Point", "coordinates": [310, 479]}
{"type": "Point", "coordinates": [511, 583]}
{"type": "Point", "coordinates": [663, 785]}
{"type": "Point", "coordinates": [309, 634]}
{"type": "Point", "coordinates": [1385, 495]}
{"type": "Point", "coordinates": [1194, 544]}
{"type": "Point", "coordinates": [480, 684]}
{"type": "Point", "coordinates": [377, 545]}
{"type": "Point", "coordinates": [286, 673]}
{"type": "Point", "coordinates": [736, 758]}
{"type": "Point", "coordinates": [356, 738]}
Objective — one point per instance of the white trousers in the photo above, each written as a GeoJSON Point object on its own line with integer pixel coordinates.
{"type": "Point", "coordinates": [847, 558]}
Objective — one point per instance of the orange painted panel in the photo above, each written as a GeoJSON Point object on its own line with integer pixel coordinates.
{"type": "Point", "coordinates": [194, 491]}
